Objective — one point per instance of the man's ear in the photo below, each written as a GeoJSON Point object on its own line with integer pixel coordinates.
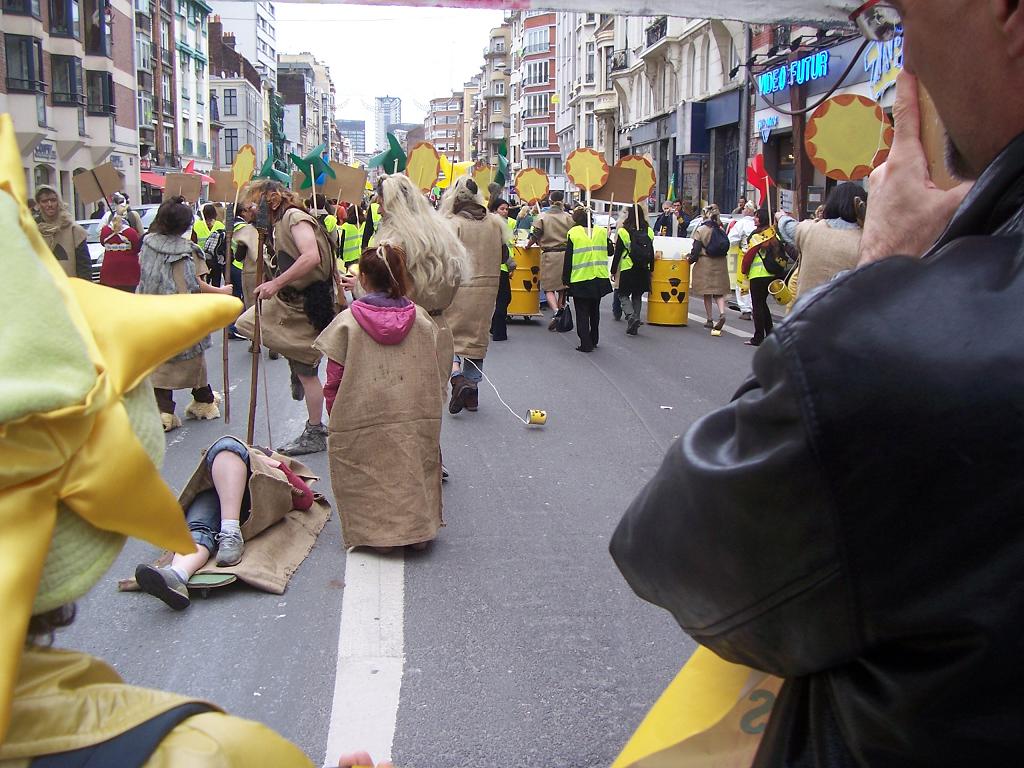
{"type": "Point", "coordinates": [1010, 15]}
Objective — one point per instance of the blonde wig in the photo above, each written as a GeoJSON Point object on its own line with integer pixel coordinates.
{"type": "Point", "coordinates": [435, 257]}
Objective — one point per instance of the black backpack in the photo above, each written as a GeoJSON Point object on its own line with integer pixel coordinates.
{"type": "Point", "coordinates": [718, 243]}
{"type": "Point", "coordinates": [779, 258]}
{"type": "Point", "coordinates": [641, 249]}
{"type": "Point", "coordinates": [216, 246]}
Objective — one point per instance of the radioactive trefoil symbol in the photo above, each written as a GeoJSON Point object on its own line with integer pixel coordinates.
{"type": "Point", "coordinates": [675, 293]}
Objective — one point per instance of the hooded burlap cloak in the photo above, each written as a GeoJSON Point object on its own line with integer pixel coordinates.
{"type": "Point", "coordinates": [384, 433]}
{"type": "Point", "coordinates": [292, 319]}
{"type": "Point", "coordinates": [469, 315]}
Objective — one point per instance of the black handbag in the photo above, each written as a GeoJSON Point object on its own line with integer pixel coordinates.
{"type": "Point", "coordinates": [565, 320]}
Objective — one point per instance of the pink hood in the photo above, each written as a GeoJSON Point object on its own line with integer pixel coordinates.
{"type": "Point", "coordinates": [386, 325]}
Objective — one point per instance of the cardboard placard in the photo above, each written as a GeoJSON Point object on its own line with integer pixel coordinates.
{"type": "Point", "coordinates": [98, 184]}
{"type": "Point", "coordinates": [348, 184]}
{"type": "Point", "coordinates": [297, 178]}
{"type": "Point", "coordinates": [619, 187]}
{"type": "Point", "coordinates": [185, 184]}
{"type": "Point", "coordinates": [223, 188]}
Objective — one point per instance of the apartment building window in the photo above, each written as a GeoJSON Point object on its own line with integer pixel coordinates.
{"type": "Point", "coordinates": [169, 148]}
{"type": "Point", "coordinates": [144, 102]}
{"type": "Point", "coordinates": [22, 8]}
{"type": "Point", "coordinates": [143, 53]}
{"type": "Point", "coordinates": [64, 18]}
{"type": "Point", "coordinates": [590, 18]}
{"type": "Point", "coordinates": [691, 77]}
{"type": "Point", "coordinates": [499, 87]}
{"type": "Point", "coordinates": [97, 27]}
{"type": "Point", "coordinates": [498, 108]}
{"type": "Point", "coordinates": [537, 73]}
{"type": "Point", "coordinates": [536, 105]}
{"type": "Point", "coordinates": [250, 105]}
{"type": "Point", "coordinates": [230, 145]}
{"type": "Point", "coordinates": [591, 61]}
{"type": "Point", "coordinates": [536, 137]}
{"type": "Point", "coordinates": [66, 76]}
{"type": "Point", "coordinates": [230, 101]}
{"type": "Point", "coordinates": [24, 63]}
{"type": "Point", "coordinates": [498, 46]}
{"type": "Point", "coordinates": [100, 93]}
{"type": "Point", "coordinates": [165, 35]}
{"type": "Point", "coordinates": [734, 58]}
{"type": "Point", "coordinates": [537, 40]}
{"type": "Point", "coordinates": [165, 91]}
{"type": "Point", "coordinates": [588, 110]}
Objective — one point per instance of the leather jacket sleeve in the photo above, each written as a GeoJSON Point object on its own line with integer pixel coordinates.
{"type": "Point", "coordinates": [736, 534]}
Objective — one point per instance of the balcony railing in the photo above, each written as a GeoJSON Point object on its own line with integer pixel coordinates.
{"type": "Point", "coordinates": [657, 31]}
{"type": "Point", "coordinates": [618, 61]}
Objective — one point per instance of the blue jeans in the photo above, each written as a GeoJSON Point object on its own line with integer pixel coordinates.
{"type": "Point", "coordinates": [471, 368]}
{"type": "Point", "coordinates": [203, 514]}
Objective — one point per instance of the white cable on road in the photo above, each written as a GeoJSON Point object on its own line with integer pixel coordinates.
{"type": "Point", "coordinates": [371, 657]}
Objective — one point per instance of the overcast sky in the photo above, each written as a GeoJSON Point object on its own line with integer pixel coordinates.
{"type": "Point", "coordinates": [414, 53]}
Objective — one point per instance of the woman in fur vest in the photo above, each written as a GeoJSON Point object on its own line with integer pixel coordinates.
{"type": "Point", "coordinates": [469, 316]}
{"type": "Point", "coordinates": [171, 264]}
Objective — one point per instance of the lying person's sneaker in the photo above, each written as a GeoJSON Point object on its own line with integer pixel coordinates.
{"type": "Point", "coordinates": [164, 584]}
{"type": "Point", "coordinates": [229, 548]}
{"type": "Point", "coordinates": [312, 440]}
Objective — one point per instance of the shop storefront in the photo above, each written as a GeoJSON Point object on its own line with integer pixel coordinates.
{"type": "Point", "coordinates": [804, 80]}
{"type": "Point", "coordinates": [657, 140]}
{"type": "Point", "coordinates": [722, 121]}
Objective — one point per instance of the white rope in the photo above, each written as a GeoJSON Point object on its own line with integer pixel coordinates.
{"type": "Point", "coordinates": [487, 379]}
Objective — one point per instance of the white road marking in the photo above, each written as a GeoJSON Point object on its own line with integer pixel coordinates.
{"type": "Point", "coordinates": [371, 657]}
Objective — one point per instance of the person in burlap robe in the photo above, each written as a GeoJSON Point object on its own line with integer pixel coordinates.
{"type": "Point", "coordinates": [298, 302]}
{"type": "Point", "coordinates": [469, 315]}
{"type": "Point", "coordinates": [550, 231]}
{"type": "Point", "coordinates": [236, 493]}
{"type": "Point", "coordinates": [384, 401]}
{"type": "Point", "coordinates": [710, 276]}
{"type": "Point", "coordinates": [65, 239]}
{"type": "Point", "coordinates": [170, 264]}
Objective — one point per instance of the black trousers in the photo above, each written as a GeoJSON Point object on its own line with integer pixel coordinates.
{"type": "Point", "coordinates": [759, 300]}
{"type": "Point", "coordinates": [588, 318]}
{"type": "Point", "coordinates": [499, 328]}
{"type": "Point", "coordinates": [216, 272]}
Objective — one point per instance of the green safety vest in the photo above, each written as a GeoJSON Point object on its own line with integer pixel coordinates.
{"type": "Point", "coordinates": [203, 232]}
{"type": "Point", "coordinates": [330, 223]}
{"type": "Point", "coordinates": [626, 262]}
{"type": "Point", "coordinates": [235, 262]}
{"type": "Point", "coordinates": [351, 245]}
{"type": "Point", "coordinates": [375, 218]}
{"type": "Point", "coordinates": [511, 228]}
{"type": "Point", "coordinates": [589, 254]}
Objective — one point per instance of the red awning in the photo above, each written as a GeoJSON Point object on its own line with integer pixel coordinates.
{"type": "Point", "coordinates": [153, 179]}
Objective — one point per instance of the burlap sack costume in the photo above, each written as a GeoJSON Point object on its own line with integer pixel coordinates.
{"type": "Point", "coordinates": [384, 434]}
{"type": "Point", "coordinates": [824, 252]}
{"type": "Point", "coordinates": [435, 304]}
{"type": "Point", "coordinates": [277, 537]}
{"type": "Point", "coordinates": [469, 315]}
{"type": "Point", "coordinates": [710, 275]}
{"type": "Point", "coordinates": [285, 327]}
{"type": "Point", "coordinates": [551, 229]}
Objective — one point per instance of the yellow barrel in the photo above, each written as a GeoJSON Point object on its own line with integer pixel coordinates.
{"type": "Point", "coordinates": [525, 282]}
{"type": "Point", "coordinates": [669, 300]}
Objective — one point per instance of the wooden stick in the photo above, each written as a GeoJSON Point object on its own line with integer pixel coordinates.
{"type": "Point", "coordinates": [229, 229]}
{"type": "Point", "coordinates": [257, 341]}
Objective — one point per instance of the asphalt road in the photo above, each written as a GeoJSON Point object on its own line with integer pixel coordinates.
{"type": "Point", "coordinates": [523, 646]}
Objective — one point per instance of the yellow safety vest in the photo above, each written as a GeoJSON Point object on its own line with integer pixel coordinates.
{"type": "Point", "coordinates": [511, 228]}
{"type": "Point", "coordinates": [757, 268]}
{"type": "Point", "coordinates": [235, 262]}
{"type": "Point", "coordinates": [203, 232]}
{"type": "Point", "coordinates": [589, 254]}
{"type": "Point", "coordinates": [375, 218]}
{"type": "Point", "coordinates": [330, 223]}
{"type": "Point", "coordinates": [626, 262]}
{"type": "Point", "coordinates": [351, 246]}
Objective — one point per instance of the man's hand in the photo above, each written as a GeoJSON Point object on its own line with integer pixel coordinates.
{"type": "Point", "coordinates": [906, 211]}
{"type": "Point", "coordinates": [267, 290]}
{"type": "Point", "coordinates": [348, 281]}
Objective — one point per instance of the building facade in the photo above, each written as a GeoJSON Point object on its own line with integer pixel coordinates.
{"type": "Point", "coordinates": [534, 140]}
{"type": "Point", "coordinates": [236, 99]}
{"type": "Point", "coordinates": [191, 41]}
{"type": "Point", "coordinates": [387, 112]}
{"type": "Point", "coordinates": [69, 81]}
{"type": "Point", "coordinates": [307, 90]}
{"type": "Point", "coordinates": [443, 126]}
{"type": "Point", "coordinates": [254, 25]}
{"type": "Point", "coordinates": [493, 118]}
{"type": "Point", "coordinates": [355, 132]}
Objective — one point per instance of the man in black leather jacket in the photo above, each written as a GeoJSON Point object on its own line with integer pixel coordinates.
{"type": "Point", "coordinates": [854, 520]}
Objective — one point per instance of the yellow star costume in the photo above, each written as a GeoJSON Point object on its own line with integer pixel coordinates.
{"type": "Point", "coordinates": [75, 477]}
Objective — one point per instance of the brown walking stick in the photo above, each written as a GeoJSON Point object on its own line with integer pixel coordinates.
{"type": "Point", "coordinates": [262, 224]}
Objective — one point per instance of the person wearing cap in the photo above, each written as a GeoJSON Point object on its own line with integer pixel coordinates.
{"type": "Point", "coordinates": [585, 271]}
{"type": "Point", "coordinates": [73, 395]}
{"type": "Point", "coordinates": [66, 240]}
